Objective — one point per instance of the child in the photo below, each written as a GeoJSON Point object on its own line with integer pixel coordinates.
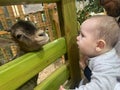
{"type": "Point", "coordinates": [112, 8]}
{"type": "Point", "coordinates": [99, 35]}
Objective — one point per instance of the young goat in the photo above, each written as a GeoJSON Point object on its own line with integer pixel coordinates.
{"type": "Point", "coordinates": [28, 38]}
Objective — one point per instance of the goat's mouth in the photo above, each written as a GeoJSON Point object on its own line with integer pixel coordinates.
{"type": "Point", "coordinates": [33, 45]}
{"type": "Point", "coordinates": [43, 41]}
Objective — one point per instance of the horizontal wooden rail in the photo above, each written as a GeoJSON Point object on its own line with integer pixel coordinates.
{"type": "Point", "coordinates": [56, 79]}
{"type": "Point", "coordinates": [16, 2]}
{"type": "Point", "coordinates": [16, 72]}
{"type": "Point", "coordinates": [4, 33]}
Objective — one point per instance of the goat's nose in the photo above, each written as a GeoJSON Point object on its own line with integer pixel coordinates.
{"type": "Point", "coordinates": [42, 34]}
{"type": "Point", "coordinates": [18, 36]}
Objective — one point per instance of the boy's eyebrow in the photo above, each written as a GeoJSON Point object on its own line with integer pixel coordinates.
{"type": "Point", "coordinates": [79, 31]}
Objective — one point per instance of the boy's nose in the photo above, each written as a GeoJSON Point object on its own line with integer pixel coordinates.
{"type": "Point", "coordinates": [77, 38]}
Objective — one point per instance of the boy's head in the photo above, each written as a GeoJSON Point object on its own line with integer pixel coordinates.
{"type": "Point", "coordinates": [99, 34]}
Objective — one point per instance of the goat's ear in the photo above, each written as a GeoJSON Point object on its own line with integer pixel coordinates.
{"type": "Point", "coordinates": [8, 30]}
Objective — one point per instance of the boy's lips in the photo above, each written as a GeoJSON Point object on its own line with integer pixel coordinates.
{"type": "Point", "coordinates": [77, 44]}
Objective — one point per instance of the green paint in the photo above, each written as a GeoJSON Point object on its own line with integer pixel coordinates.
{"type": "Point", "coordinates": [56, 79]}
{"type": "Point", "coordinates": [15, 73]}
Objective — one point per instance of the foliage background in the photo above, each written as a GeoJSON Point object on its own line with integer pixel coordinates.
{"type": "Point", "coordinates": [92, 6]}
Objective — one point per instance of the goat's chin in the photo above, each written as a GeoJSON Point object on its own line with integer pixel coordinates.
{"type": "Point", "coordinates": [31, 49]}
{"type": "Point", "coordinates": [29, 44]}
{"type": "Point", "coordinates": [43, 42]}
{"type": "Point", "coordinates": [32, 46]}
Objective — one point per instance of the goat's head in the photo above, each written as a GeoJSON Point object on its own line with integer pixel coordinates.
{"type": "Point", "coordinates": [27, 36]}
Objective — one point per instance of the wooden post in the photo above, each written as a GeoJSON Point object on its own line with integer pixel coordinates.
{"type": "Point", "coordinates": [5, 54]}
{"type": "Point", "coordinates": [21, 14]}
{"type": "Point", "coordinates": [68, 23]}
{"type": "Point", "coordinates": [55, 19]}
{"type": "Point", "coordinates": [15, 2]}
{"type": "Point", "coordinates": [11, 14]}
{"type": "Point", "coordinates": [49, 19]}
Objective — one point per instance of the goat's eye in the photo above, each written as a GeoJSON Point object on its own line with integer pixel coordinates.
{"type": "Point", "coordinates": [18, 36]}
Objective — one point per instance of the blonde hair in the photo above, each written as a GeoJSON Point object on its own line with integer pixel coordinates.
{"type": "Point", "coordinates": [108, 29]}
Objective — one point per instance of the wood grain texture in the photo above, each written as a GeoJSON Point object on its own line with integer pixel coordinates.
{"type": "Point", "coordinates": [17, 2]}
{"type": "Point", "coordinates": [68, 25]}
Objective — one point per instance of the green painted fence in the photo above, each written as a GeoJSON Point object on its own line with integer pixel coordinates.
{"type": "Point", "coordinates": [56, 79]}
{"type": "Point", "coordinates": [15, 73]}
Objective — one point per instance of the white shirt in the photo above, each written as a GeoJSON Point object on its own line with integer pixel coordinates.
{"type": "Point", "coordinates": [105, 72]}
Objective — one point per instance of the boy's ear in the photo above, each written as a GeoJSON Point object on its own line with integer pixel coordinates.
{"type": "Point", "coordinates": [100, 45]}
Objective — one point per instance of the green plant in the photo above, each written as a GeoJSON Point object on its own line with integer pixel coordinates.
{"type": "Point", "coordinates": [93, 6]}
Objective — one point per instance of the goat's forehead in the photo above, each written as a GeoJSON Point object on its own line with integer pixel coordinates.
{"type": "Point", "coordinates": [22, 31]}
{"type": "Point", "coordinates": [40, 30]}
{"type": "Point", "coordinates": [18, 32]}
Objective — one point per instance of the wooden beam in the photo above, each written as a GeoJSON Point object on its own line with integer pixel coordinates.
{"type": "Point", "coordinates": [68, 26]}
{"type": "Point", "coordinates": [16, 2]}
{"type": "Point", "coordinates": [4, 33]}
{"type": "Point", "coordinates": [56, 79]}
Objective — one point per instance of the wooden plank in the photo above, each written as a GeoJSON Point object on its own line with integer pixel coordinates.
{"type": "Point", "coordinates": [15, 73]}
{"type": "Point", "coordinates": [56, 79]}
{"type": "Point", "coordinates": [4, 33]}
{"type": "Point", "coordinates": [16, 2]}
{"type": "Point", "coordinates": [68, 23]}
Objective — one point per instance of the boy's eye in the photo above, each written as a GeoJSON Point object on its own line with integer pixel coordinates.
{"type": "Point", "coordinates": [82, 35]}
{"type": "Point", "coordinates": [79, 32]}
